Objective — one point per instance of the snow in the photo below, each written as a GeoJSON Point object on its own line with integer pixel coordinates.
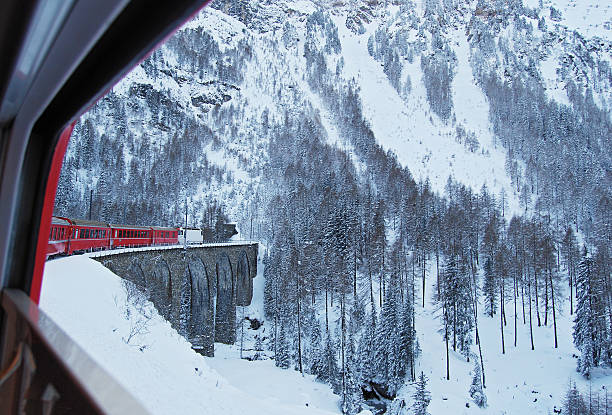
{"type": "Point", "coordinates": [521, 381]}
{"type": "Point", "coordinates": [424, 143]}
{"type": "Point", "coordinates": [167, 376]}
{"type": "Point", "coordinates": [589, 17]}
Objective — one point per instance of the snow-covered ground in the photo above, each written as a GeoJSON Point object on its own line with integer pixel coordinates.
{"type": "Point", "coordinates": [521, 381]}
{"type": "Point", "coordinates": [169, 377]}
{"type": "Point", "coordinates": [589, 17]}
{"type": "Point", "coordinates": [158, 366]}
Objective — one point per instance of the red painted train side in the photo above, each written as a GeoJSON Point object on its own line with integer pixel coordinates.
{"type": "Point", "coordinates": [77, 235]}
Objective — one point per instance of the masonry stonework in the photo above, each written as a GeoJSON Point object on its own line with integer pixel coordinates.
{"type": "Point", "coordinates": [205, 282]}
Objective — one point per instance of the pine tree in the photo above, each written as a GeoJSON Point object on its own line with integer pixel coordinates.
{"type": "Point", "coordinates": [317, 351]}
{"type": "Point", "coordinates": [282, 357]}
{"type": "Point", "coordinates": [489, 288]}
{"type": "Point", "coordinates": [421, 396]}
{"type": "Point", "coordinates": [353, 396]}
{"type": "Point", "coordinates": [573, 403]}
{"type": "Point", "coordinates": [476, 390]}
{"type": "Point", "coordinates": [329, 373]}
{"type": "Point", "coordinates": [587, 320]}
{"type": "Point", "coordinates": [367, 347]}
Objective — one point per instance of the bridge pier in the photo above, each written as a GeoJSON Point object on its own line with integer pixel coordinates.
{"type": "Point", "coordinates": [196, 290]}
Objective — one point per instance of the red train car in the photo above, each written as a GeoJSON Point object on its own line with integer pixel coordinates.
{"type": "Point", "coordinates": [88, 235]}
{"type": "Point", "coordinates": [130, 236]}
{"type": "Point", "coordinates": [164, 236]}
{"type": "Point", "coordinates": [59, 236]}
{"type": "Point", "coordinates": [79, 235]}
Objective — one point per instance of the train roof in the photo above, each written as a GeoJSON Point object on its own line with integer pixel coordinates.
{"type": "Point", "coordinates": [161, 228]}
{"type": "Point", "coordinates": [86, 222]}
{"type": "Point", "coordinates": [56, 220]}
{"type": "Point", "coordinates": [116, 226]}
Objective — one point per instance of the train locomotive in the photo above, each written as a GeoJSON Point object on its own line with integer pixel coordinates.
{"type": "Point", "coordinates": [68, 236]}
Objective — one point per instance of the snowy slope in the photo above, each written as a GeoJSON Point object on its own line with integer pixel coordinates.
{"type": "Point", "coordinates": [521, 381]}
{"type": "Point", "coordinates": [591, 18]}
{"type": "Point", "coordinates": [169, 377]}
{"type": "Point", "coordinates": [88, 302]}
{"type": "Point", "coordinates": [422, 142]}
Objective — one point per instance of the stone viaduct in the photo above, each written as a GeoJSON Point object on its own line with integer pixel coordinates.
{"type": "Point", "coordinates": [196, 289]}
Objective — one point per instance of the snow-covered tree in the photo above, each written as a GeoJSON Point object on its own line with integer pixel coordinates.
{"type": "Point", "coordinates": [421, 396]}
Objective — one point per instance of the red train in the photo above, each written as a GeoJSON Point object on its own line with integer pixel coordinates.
{"type": "Point", "coordinates": [79, 235]}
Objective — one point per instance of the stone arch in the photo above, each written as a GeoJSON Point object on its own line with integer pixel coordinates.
{"type": "Point", "coordinates": [199, 297]}
{"type": "Point", "coordinates": [225, 316]}
{"type": "Point", "coordinates": [244, 284]}
{"type": "Point", "coordinates": [136, 274]}
{"type": "Point", "coordinates": [161, 287]}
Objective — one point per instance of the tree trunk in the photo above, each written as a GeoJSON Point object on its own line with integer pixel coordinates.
{"type": "Point", "coordinates": [546, 297]}
{"type": "Point", "coordinates": [438, 270]}
{"type": "Point", "coordinates": [423, 274]}
{"type": "Point", "coordinates": [523, 297]}
{"type": "Point", "coordinates": [515, 292]}
{"type": "Point", "coordinates": [355, 273]}
{"type": "Point", "coordinates": [455, 327]}
{"type": "Point", "coordinates": [571, 292]}
{"type": "Point", "coordinates": [552, 294]}
{"type": "Point", "coordinates": [299, 323]}
{"type": "Point", "coordinates": [537, 305]}
{"type": "Point", "coordinates": [501, 315]}
{"type": "Point", "coordinates": [326, 311]}
{"type": "Point", "coordinates": [484, 384]}
{"type": "Point", "coordinates": [446, 339]}
{"type": "Point", "coordinates": [530, 314]}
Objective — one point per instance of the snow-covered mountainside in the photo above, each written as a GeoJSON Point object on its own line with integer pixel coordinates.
{"type": "Point", "coordinates": [419, 170]}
